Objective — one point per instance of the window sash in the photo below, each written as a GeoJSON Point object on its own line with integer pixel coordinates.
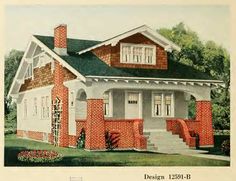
{"type": "Point", "coordinates": [138, 54]}
{"type": "Point", "coordinates": [163, 104]}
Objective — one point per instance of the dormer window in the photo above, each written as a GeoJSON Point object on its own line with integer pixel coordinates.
{"type": "Point", "coordinates": [137, 53]}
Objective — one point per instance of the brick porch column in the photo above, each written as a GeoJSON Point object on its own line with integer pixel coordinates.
{"type": "Point", "coordinates": [95, 125]}
{"type": "Point", "coordinates": [205, 129]}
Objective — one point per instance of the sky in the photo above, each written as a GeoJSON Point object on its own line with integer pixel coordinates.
{"type": "Point", "coordinates": [99, 22]}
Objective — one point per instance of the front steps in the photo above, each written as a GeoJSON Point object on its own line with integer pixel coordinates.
{"type": "Point", "coordinates": [162, 141]}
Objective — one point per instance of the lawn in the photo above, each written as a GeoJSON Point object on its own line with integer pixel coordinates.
{"type": "Point", "coordinates": [76, 157]}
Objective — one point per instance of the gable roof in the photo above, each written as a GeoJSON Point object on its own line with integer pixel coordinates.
{"type": "Point", "coordinates": [89, 64]}
{"type": "Point", "coordinates": [144, 30]}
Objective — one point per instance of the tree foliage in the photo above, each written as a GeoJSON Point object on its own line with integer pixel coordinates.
{"type": "Point", "coordinates": [12, 61]}
{"type": "Point", "coordinates": [209, 58]}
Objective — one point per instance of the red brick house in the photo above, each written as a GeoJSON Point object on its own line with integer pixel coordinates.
{"type": "Point", "coordinates": [124, 84]}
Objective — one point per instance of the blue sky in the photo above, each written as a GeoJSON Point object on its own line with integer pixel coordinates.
{"type": "Point", "coordinates": [100, 22]}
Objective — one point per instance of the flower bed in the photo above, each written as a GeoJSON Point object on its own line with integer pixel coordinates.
{"type": "Point", "coordinates": [39, 156]}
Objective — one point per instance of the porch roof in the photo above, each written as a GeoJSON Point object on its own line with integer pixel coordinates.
{"type": "Point", "coordinates": [89, 64]}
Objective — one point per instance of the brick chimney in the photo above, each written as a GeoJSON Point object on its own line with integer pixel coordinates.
{"type": "Point", "coordinates": [60, 39]}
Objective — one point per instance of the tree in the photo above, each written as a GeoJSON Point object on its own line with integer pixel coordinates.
{"type": "Point", "coordinates": [209, 58]}
{"type": "Point", "coordinates": [12, 61]}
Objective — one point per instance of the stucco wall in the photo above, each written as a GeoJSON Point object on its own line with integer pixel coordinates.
{"type": "Point", "coordinates": [33, 122]}
{"type": "Point", "coordinates": [181, 105]}
{"type": "Point", "coordinates": [150, 122]}
{"type": "Point", "coordinates": [118, 104]}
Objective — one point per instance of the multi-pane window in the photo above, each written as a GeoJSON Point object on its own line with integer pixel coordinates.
{"type": "Point", "coordinates": [126, 53]}
{"type": "Point", "coordinates": [148, 55]}
{"type": "Point", "coordinates": [157, 104]}
{"type": "Point", "coordinates": [42, 107]}
{"type": "Point", "coordinates": [106, 104]}
{"type": "Point", "coordinates": [25, 108]}
{"type": "Point", "coordinates": [35, 112]}
{"type": "Point", "coordinates": [163, 104]}
{"type": "Point", "coordinates": [138, 53]}
{"type": "Point", "coordinates": [168, 104]}
{"type": "Point", "coordinates": [45, 107]}
{"type": "Point", "coordinates": [133, 98]}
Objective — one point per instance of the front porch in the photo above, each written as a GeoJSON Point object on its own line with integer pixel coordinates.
{"type": "Point", "coordinates": [131, 109]}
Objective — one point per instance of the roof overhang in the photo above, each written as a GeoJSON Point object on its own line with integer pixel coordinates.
{"type": "Point", "coordinates": [19, 77]}
{"type": "Point", "coordinates": [144, 30]}
{"type": "Point", "coordinates": [192, 82]}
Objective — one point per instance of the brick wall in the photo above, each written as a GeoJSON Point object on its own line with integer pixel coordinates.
{"type": "Point", "coordinates": [72, 140]}
{"type": "Point", "coordinates": [111, 55]}
{"type": "Point", "coordinates": [35, 135]}
{"type": "Point", "coordinates": [131, 133]}
{"type": "Point", "coordinates": [125, 127]}
{"type": "Point", "coordinates": [43, 76]}
{"type": "Point", "coordinates": [180, 127]}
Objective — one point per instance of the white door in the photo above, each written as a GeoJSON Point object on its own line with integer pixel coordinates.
{"type": "Point", "coordinates": [133, 105]}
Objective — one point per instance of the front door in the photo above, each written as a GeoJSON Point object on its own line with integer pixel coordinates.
{"type": "Point", "coordinates": [133, 105]}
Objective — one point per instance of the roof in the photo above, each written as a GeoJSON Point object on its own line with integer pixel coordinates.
{"type": "Point", "coordinates": [89, 64]}
{"type": "Point", "coordinates": [144, 30]}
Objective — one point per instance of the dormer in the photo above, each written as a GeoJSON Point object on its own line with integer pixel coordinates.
{"type": "Point", "coordinates": [141, 47]}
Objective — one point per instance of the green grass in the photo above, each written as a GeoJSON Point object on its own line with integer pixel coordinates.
{"type": "Point", "coordinates": [76, 157]}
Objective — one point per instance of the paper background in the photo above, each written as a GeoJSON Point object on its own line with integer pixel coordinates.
{"type": "Point", "coordinates": [116, 173]}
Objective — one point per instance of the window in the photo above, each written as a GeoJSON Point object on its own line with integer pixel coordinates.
{"type": "Point", "coordinates": [137, 53]}
{"type": "Point", "coordinates": [35, 107]}
{"type": "Point", "coordinates": [163, 104]}
{"type": "Point", "coordinates": [42, 107]}
{"type": "Point", "coordinates": [106, 104]}
{"type": "Point", "coordinates": [25, 108]}
{"type": "Point", "coordinates": [168, 105]}
{"type": "Point", "coordinates": [29, 71]}
{"type": "Point", "coordinates": [157, 104]}
{"type": "Point", "coordinates": [126, 53]}
{"type": "Point", "coordinates": [45, 107]}
{"type": "Point", "coordinates": [148, 55]}
{"type": "Point", "coordinates": [133, 98]}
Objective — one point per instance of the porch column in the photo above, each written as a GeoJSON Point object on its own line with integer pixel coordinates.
{"type": "Point", "coordinates": [205, 129]}
{"type": "Point", "coordinates": [95, 125]}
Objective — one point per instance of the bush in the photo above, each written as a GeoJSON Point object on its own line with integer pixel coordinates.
{"type": "Point", "coordinates": [39, 156]}
{"type": "Point", "coordinates": [225, 147]}
{"type": "Point", "coordinates": [81, 139]}
{"type": "Point", "coordinates": [112, 138]}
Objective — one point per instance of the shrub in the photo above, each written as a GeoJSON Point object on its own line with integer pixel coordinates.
{"type": "Point", "coordinates": [39, 156]}
{"type": "Point", "coordinates": [225, 147]}
{"type": "Point", "coordinates": [81, 139]}
{"type": "Point", "coordinates": [112, 138]}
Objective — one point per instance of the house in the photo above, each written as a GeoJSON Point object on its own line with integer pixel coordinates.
{"type": "Point", "coordinates": [124, 84]}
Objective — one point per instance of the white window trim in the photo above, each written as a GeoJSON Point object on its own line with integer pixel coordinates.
{"type": "Point", "coordinates": [70, 99]}
{"type": "Point", "coordinates": [140, 101]}
{"type": "Point", "coordinates": [110, 102]}
{"type": "Point", "coordinates": [163, 103]}
{"type": "Point", "coordinates": [143, 46]}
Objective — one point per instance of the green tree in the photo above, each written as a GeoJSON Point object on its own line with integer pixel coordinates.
{"type": "Point", "coordinates": [206, 57]}
{"type": "Point", "coordinates": [12, 61]}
